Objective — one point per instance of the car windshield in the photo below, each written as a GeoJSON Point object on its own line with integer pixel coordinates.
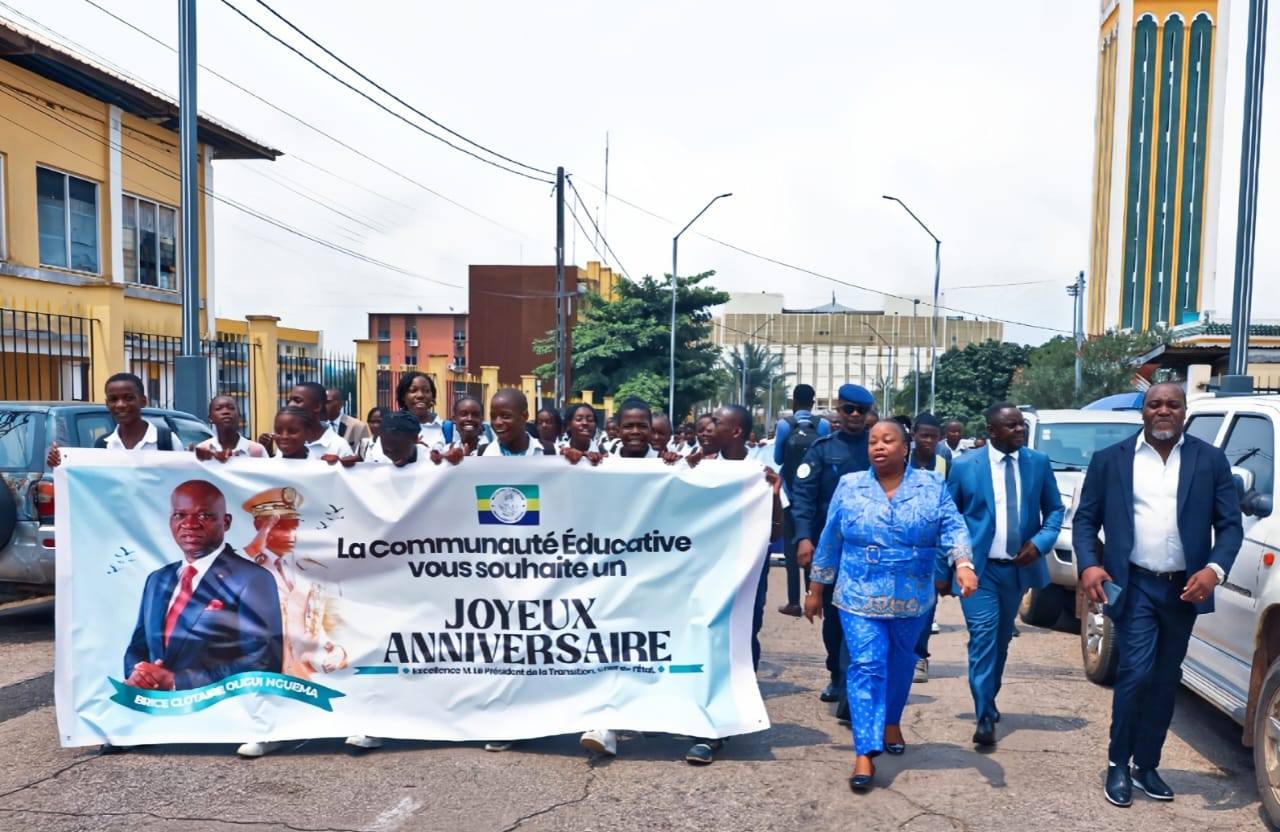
{"type": "Point", "coordinates": [17, 438]}
{"type": "Point", "coordinates": [1070, 445]}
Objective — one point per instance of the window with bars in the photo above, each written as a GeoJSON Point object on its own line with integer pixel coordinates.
{"type": "Point", "coordinates": [150, 239]}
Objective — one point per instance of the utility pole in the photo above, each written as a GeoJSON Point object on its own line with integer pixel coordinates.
{"type": "Point", "coordinates": [562, 357]}
{"type": "Point", "coordinates": [915, 348]}
{"type": "Point", "coordinates": [675, 285]}
{"type": "Point", "coordinates": [1237, 380]}
{"type": "Point", "coordinates": [1076, 290]}
{"type": "Point", "coordinates": [937, 284]}
{"type": "Point", "coordinates": [190, 370]}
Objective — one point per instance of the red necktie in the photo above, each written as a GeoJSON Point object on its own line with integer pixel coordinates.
{"type": "Point", "coordinates": [180, 602]}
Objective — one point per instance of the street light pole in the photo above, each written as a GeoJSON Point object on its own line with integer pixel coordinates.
{"type": "Point", "coordinates": [675, 283]}
{"type": "Point", "coordinates": [190, 370]}
{"type": "Point", "coordinates": [937, 283]}
{"type": "Point", "coordinates": [915, 348]}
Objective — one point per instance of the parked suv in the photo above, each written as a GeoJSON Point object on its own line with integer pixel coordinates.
{"type": "Point", "coordinates": [26, 505]}
{"type": "Point", "coordinates": [1069, 438]}
{"type": "Point", "coordinates": [1233, 659]}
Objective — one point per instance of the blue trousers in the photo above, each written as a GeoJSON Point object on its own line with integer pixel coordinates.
{"type": "Point", "coordinates": [882, 660]}
{"type": "Point", "coordinates": [988, 613]}
{"type": "Point", "coordinates": [757, 618]}
{"type": "Point", "coordinates": [922, 643]}
{"type": "Point", "coordinates": [1151, 635]}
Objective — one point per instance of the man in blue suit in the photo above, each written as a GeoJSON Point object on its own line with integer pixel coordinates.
{"type": "Point", "coordinates": [1169, 508]}
{"type": "Point", "coordinates": [211, 615]}
{"type": "Point", "coordinates": [1010, 502]}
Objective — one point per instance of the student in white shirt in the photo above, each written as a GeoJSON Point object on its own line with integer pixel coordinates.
{"type": "Point", "coordinates": [226, 442]}
{"type": "Point", "coordinates": [416, 393]}
{"type": "Point", "coordinates": [581, 441]}
{"type": "Point", "coordinates": [400, 441]}
{"type": "Point", "coordinates": [550, 426]}
{"type": "Point", "coordinates": [310, 396]}
{"type": "Point", "coordinates": [294, 426]}
{"type": "Point", "coordinates": [470, 434]}
{"type": "Point", "coordinates": [125, 400]}
{"type": "Point", "coordinates": [508, 416]}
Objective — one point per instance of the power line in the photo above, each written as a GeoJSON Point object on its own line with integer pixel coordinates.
{"type": "Point", "coordinates": [225, 200]}
{"type": "Point", "coordinates": [603, 239]}
{"type": "Point", "coordinates": [373, 100]}
{"type": "Point", "coordinates": [296, 118]}
{"type": "Point", "coordinates": [395, 97]}
{"type": "Point", "coordinates": [820, 275]}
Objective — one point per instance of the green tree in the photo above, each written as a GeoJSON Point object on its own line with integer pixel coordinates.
{"type": "Point", "coordinates": [969, 380]}
{"type": "Point", "coordinates": [1048, 379]}
{"type": "Point", "coordinates": [622, 347]}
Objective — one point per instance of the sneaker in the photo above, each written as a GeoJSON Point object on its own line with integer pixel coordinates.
{"type": "Point", "coordinates": [934, 629]}
{"type": "Point", "coordinates": [600, 741]}
{"type": "Point", "coordinates": [790, 609]}
{"type": "Point", "coordinates": [703, 752]}
{"type": "Point", "coordinates": [257, 749]}
{"type": "Point", "coordinates": [922, 672]}
{"type": "Point", "coordinates": [364, 741]}
{"type": "Point", "coordinates": [499, 746]}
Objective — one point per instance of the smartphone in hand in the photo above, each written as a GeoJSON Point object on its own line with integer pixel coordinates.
{"type": "Point", "coordinates": [1112, 590]}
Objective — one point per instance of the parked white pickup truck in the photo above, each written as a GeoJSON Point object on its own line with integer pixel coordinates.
{"type": "Point", "coordinates": [1234, 657]}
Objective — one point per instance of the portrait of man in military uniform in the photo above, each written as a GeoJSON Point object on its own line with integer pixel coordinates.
{"type": "Point", "coordinates": [308, 604]}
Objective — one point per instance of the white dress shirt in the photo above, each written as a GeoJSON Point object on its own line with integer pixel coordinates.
{"type": "Point", "coordinates": [328, 443]}
{"type": "Point", "coordinates": [1156, 543]}
{"type": "Point", "coordinates": [495, 449]}
{"type": "Point", "coordinates": [202, 565]}
{"type": "Point", "coordinates": [998, 541]}
{"type": "Point", "coordinates": [150, 440]}
{"type": "Point", "coordinates": [244, 447]}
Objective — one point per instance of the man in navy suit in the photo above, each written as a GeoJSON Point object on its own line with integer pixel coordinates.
{"type": "Point", "coordinates": [1168, 506]}
{"type": "Point", "coordinates": [1010, 502]}
{"type": "Point", "coordinates": [211, 615]}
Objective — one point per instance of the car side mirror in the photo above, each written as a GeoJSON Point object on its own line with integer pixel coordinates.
{"type": "Point", "coordinates": [1257, 505]}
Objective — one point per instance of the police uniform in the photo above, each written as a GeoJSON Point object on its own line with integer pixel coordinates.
{"type": "Point", "coordinates": [827, 460]}
{"type": "Point", "coordinates": [305, 608]}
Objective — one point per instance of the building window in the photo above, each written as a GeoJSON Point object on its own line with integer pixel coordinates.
{"type": "Point", "coordinates": [150, 240]}
{"type": "Point", "coordinates": [384, 360]}
{"type": "Point", "coordinates": [67, 209]}
{"type": "Point", "coordinates": [1137, 200]}
{"type": "Point", "coordinates": [411, 359]}
{"type": "Point", "coordinates": [1191, 222]}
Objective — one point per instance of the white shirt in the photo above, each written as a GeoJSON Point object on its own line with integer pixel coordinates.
{"type": "Point", "coordinates": [998, 541]}
{"type": "Point", "coordinates": [244, 447]}
{"type": "Point", "coordinates": [494, 448]}
{"type": "Point", "coordinates": [424, 457]}
{"type": "Point", "coordinates": [432, 433]}
{"type": "Point", "coordinates": [328, 443]}
{"type": "Point", "coordinates": [150, 440]}
{"type": "Point", "coordinates": [202, 566]}
{"type": "Point", "coordinates": [1156, 543]}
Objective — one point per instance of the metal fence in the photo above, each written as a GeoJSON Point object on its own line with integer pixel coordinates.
{"type": "Point", "coordinates": [45, 357]}
{"type": "Point", "coordinates": [331, 370]}
{"type": "Point", "coordinates": [151, 358]}
{"type": "Point", "coordinates": [232, 357]}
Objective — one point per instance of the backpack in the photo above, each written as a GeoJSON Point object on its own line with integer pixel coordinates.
{"type": "Point", "coordinates": [803, 434]}
{"type": "Point", "coordinates": [164, 439]}
{"type": "Point", "coordinates": [447, 427]}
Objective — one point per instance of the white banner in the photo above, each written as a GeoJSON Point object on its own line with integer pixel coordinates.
{"type": "Point", "coordinates": [498, 599]}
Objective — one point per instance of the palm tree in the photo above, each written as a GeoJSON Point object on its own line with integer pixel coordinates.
{"type": "Point", "coordinates": [763, 369]}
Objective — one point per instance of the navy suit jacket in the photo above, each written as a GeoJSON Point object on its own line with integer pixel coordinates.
{"type": "Point", "coordinates": [1208, 512]}
{"type": "Point", "coordinates": [1040, 510]}
{"type": "Point", "coordinates": [210, 641]}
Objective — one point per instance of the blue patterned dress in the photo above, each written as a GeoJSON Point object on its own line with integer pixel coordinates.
{"type": "Point", "coordinates": [881, 555]}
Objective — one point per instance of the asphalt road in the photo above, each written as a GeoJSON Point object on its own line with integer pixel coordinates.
{"type": "Point", "coordinates": [1045, 775]}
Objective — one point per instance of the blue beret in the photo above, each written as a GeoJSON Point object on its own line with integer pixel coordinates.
{"type": "Point", "coordinates": [856, 394]}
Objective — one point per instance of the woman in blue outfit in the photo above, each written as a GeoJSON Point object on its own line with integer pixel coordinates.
{"type": "Point", "coordinates": [887, 530]}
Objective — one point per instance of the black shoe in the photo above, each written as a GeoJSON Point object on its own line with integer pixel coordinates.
{"type": "Point", "coordinates": [985, 736]}
{"type": "Point", "coordinates": [1149, 783]}
{"type": "Point", "coordinates": [862, 782]}
{"type": "Point", "coordinates": [997, 719]}
{"type": "Point", "coordinates": [1119, 787]}
{"type": "Point", "coordinates": [791, 609]}
{"type": "Point", "coordinates": [842, 713]}
{"type": "Point", "coordinates": [897, 749]}
{"type": "Point", "coordinates": [703, 752]}
{"type": "Point", "coordinates": [830, 693]}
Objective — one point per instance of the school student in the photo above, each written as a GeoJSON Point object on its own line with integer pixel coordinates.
{"type": "Point", "coordinates": [509, 416]}
{"type": "Point", "coordinates": [401, 440]}
{"type": "Point", "coordinates": [581, 438]}
{"type": "Point", "coordinates": [549, 426]}
{"type": "Point", "coordinates": [226, 442]}
{"type": "Point", "coordinates": [470, 435]}
{"type": "Point", "coordinates": [374, 420]}
{"type": "Point", "coordinates": [660, 433]}
{"type": "Point", "coordinates": [294, 427]}
{"type": "Point", "coordinates": [416, 393]}
{"type": "Point", "coordinates": [610, 442]}
{"type": "Point", "coordinates": [125, 400]}
{"type": "Point", "coordinates": [321, 440]}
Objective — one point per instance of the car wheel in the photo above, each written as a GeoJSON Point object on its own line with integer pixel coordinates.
{"type": "Point", "coordinates": [1041, 607]}
{"type": "Point", "coordinates": [1098, 644]}
{"type": "Point", "coordinates": [1266, 744]}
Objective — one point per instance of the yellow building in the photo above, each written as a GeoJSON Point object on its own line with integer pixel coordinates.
{"type": "Point", "coordinates": [1170, 96]}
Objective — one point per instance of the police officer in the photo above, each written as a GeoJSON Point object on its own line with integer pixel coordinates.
{"type": "Point", "coordinates": [829, 459]}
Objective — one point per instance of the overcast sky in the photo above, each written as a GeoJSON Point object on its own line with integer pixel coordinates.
{"type": "Point", "coordinates": [979, 116]}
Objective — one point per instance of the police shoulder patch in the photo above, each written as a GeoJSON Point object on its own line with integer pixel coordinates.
{"type": "Point", "coordinates": [803, 471]}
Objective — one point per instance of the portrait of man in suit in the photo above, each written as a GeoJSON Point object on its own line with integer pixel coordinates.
{"type": "Point", "coordinates": [211, 614]}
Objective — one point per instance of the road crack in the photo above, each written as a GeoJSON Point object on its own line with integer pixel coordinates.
{"type": "Point", "coordinates": [48, 777]}
{"type": "Point", "coordinates": [157, 816]}
{"type": "Point", "coordinates": [586, 792]}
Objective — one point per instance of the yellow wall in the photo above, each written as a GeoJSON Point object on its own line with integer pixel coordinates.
{"type": "Point", "coordinates": [43, 123]}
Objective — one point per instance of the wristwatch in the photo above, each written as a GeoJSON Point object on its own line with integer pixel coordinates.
{"type": "Point", "coordinates": [966, 564]}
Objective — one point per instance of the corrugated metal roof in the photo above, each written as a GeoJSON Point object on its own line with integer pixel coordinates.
{"type": "Point", "coordinates": [55, 61]}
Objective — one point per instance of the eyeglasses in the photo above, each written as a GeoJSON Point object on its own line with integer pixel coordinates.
{"type": "Point", "coordinates": [850, 409]}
